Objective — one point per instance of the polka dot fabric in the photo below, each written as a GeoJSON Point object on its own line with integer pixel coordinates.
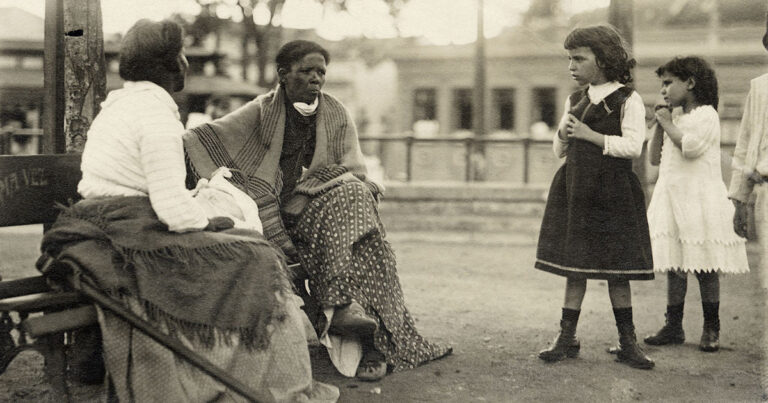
{"type": "Point", "coordinates": [341, 245]}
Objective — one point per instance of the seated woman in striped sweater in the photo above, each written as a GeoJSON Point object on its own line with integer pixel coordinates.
{"type": "Point", "coordinates": [295, 151]}
{"type": "Point", "coordinates": [173, 259]}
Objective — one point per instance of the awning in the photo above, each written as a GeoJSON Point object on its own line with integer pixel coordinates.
{"type": "Point", "coordinates": [196, 85]}
{"type": "Point", "coordinates": [204, 85]}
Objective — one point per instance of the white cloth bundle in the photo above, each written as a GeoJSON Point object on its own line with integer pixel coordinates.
{"type": "Point", "coordinates": [218, 197]}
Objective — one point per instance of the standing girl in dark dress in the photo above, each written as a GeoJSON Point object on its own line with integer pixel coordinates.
{"type": "Point", "coordinates": [595, 224]}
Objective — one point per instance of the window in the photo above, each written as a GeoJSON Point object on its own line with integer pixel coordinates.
{"type": "Point", "coordinates": [113, 65]}
{"type": "Point", "coordinates": [543, 107]}
{"type": "Point", "coordinates": [8, 61]}
{"type": "Point", "coordinates": [32, 63]}
{"type": "Point", "coordinates": [504, 108]}
{"type": "Point", "coordinates": [424, 104]}
{"type": "Point", "coordinates": [462, 109]}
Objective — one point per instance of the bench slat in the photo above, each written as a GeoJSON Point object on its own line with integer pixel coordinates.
{"type": "Point", "coordinates": [41, 301]}
{"type": "Point", "coordinates": [62, 321]}
{"type": "Point", "coordinates": [23, 286]}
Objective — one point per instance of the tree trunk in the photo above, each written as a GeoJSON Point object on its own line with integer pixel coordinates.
{"type": "Point", "coordinates": [246, 57]}
{"type": "Point", "coordinates": [85, 80]}
{"type": "Point", "coordinates": [263, 38]}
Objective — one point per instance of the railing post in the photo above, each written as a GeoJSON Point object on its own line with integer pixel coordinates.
{"type": "Point", "coordinates": [526, 159]}
{"type": "Point", "coordinates": [409, 157]}
{"type": "Point", "coordinates": [468, 145]}
{"type": "Point", "coordinates": [5, 141]}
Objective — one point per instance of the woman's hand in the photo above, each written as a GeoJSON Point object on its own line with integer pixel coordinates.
{"type": "Point", "coordinates": [217, 224]}
{"type": "Point", "coordinates": [296, 205]}
{"type": "Point", "coordinates": [740, 218]}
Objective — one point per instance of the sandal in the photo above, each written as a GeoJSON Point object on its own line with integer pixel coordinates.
{"type": "Point", "coordinates": [372, 368]}
{"type": "Point", "coordinates": [352, 321]}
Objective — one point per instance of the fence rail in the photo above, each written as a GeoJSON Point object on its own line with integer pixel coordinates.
{"type": "Point", "coordinates": [472, 146]}
{"type": "Point", "coordinates": [534, 153]}
{"type": "Point", "coordinates": [475, 146]}
{"type": "Point", "coordinates": [31, 137]}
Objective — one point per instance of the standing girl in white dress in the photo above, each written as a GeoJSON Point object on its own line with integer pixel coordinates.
{"type": "Point", "coordinates": [690, 214]}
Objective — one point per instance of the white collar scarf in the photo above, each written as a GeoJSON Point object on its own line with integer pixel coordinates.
{"type": "Point", "coordinates": [306, 109]}
{"type": "Point", "coordinates": [598, 92]}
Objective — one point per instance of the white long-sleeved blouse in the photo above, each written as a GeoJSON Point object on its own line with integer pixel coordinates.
{"type": "Point", "coordinates": [751, 152]}
{"type": "Point", "coordinates": [134, 148]}
{"type": "Point", "coordinates": [630, 143]}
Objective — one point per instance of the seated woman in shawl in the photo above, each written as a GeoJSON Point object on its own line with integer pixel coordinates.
{"type": "Point", "coordinates": [145, 240]}
{"type": "Point", "coordinates": [296, 153]}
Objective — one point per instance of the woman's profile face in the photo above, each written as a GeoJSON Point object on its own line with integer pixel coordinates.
{"type": "Point", "coordinates": [305, 79]}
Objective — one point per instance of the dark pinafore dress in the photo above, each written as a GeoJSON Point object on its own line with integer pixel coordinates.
{"type": "Point", "coordinates": [595, 224]}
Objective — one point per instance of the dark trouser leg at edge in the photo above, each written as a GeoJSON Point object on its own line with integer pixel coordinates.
{"type": "Point", "coordinates": [709, 284]}
{"type": "Point", "coordinates": [629, 351]}
{"type": "Point", "coordinates": [672, 332]}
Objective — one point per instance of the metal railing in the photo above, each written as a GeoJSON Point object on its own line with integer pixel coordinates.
{"type": "Point", "coordinates": [474, 145]}
{"type": "Point", "coordinates": [471, 145]}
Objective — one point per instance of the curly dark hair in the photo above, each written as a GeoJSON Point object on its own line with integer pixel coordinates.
{"type": "Point", "coordinates": [293, 51]}
{"type": "Point", "coordinates": [705, 87]}
{"type": "Point", "coordinates": [150, 50]}
{"type": "Point", "coordinates": [609, 48]}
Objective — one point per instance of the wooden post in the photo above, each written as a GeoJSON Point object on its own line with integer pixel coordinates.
{"type": "Point", "coordinates": [53, 111]}
{"type": "Point", "coordinates": [85, 81]}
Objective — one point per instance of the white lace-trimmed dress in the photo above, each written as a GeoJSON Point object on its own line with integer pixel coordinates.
{"type": "Point", "coordinates": [690, 216]}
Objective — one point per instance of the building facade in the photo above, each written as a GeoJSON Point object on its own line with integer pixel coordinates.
{"type": "Point", "coordinates": [527, 82]}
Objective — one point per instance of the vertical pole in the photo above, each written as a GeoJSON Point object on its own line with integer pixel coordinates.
{"type": "Point", "coordinates": [713, 28]}
{"type": "Point", "coordinates": [53, 116]}
{"type": "Point", "coordinates": [478, 107]}
{"type": "Point", "coordinates": [468, 143]}
{"type": "Point", "coordinates": [409, 157]}
{"type": "Point", "coordinates": [478, 110]}
{"type": "Point", "coordinates": [526, 160]}
{"type": "Point", "coordinates": [621, 16]}
{"type": "Point", "coordinates": [84, 76]}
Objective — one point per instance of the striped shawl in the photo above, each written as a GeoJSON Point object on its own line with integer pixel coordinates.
{"type": "Point", "coordinates": [249, 141]}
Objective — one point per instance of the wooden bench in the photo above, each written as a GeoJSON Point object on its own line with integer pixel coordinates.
{"type": "Point", "coordinates": [33, 314]}
{"type": "Point", "coordinates": [42, 313]}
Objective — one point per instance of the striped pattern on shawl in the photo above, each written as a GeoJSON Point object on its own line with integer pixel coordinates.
{"type": "Point", "coordinates": [249, 141]}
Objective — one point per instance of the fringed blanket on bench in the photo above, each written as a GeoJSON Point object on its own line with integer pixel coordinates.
{"type": "Point", "coordinates": [224, 294]}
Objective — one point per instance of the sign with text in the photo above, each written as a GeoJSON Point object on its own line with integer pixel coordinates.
{"type": "Point", "coordinates": [31, 185]}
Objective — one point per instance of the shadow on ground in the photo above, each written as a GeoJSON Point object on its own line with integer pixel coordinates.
{"type": "Point", "coordinates": [496, 311]}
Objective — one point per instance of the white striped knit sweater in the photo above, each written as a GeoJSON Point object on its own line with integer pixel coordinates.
{"type": "Point", "coordinates": [134, 148]}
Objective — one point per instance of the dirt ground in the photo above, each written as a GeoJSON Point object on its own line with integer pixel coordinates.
{"type": "Point", "coordinates": [497, 312]}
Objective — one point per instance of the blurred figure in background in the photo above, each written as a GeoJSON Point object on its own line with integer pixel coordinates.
{"type": "Point", "coordinates": [217, 106]}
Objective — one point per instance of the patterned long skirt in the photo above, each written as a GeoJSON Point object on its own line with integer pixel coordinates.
{"type": "Point", "coordinates": [341, 245]}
